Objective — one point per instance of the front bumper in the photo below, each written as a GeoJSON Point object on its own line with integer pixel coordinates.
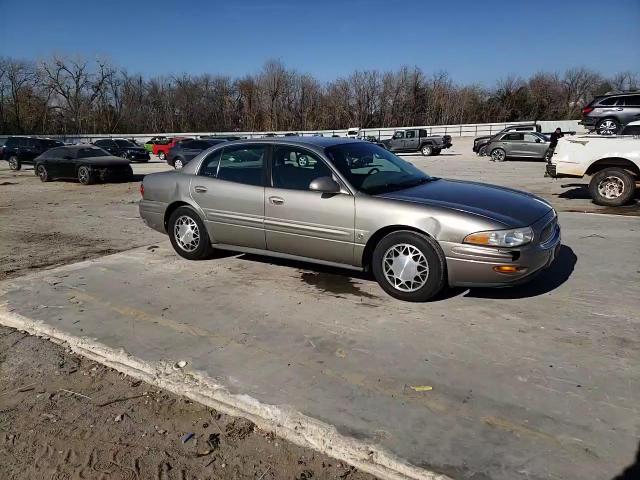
{"type": "Point", "coordinates": [473, 266]}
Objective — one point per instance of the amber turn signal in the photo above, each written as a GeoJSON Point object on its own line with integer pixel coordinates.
{"type": "Point", "coordinates": [509, 269]}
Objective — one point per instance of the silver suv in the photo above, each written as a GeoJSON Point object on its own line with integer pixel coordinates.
{"type": "Point", "coordinates": [609, 113]}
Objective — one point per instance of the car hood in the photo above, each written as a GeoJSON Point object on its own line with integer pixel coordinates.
{"type": "Point", "coordinates": [512, 208]}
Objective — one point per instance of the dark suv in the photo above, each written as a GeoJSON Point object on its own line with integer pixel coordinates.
{"type": "Point", "coordinates": [185, 150]}
{"type": "Point", "coordinates": [22, 150]}
{"type": "Point", "coordinates": [608, 113]}
{"type": "Point", "coordinates": [120, 147]}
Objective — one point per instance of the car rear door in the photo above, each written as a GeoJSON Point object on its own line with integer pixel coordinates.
{"type": "Point", "coordinates": [631, 108]}
{"type": "Point", "coordinates": [302, 222]}
{"type": "Point", "coordinates": [534, 146]}
{"type": "Point", "coordinates": [229, 188]}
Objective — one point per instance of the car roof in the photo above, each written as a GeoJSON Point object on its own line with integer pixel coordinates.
{"type": "Point", "coordinates": [322, 142]}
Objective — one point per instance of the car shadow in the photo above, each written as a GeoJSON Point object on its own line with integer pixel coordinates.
{"type": "Point", "coordinates": [337, 281]}
{"type": "Point", "coordinates": [632, 472]}
{"type": "Point", "coordinates": [544, 282]}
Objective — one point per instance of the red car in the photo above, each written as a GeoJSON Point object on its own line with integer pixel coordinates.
{"type": "Point", "coordinates": [161, 149]}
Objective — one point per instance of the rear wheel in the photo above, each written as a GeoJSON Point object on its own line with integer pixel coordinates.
{"type": "Point", "coordinates": [612, 187]}
{"type": "Point", "coordinates": [426, 150]}
{"type": "Point", "coordinates": [162, 156]}
{"type": "Point", "coordinates": [498, 155]}
{"type": "Point", "coordinates": [608, 126]}
{"type": "Point", "coordinates": [42, 172]}
{"type": "Point", "coordinates": [84, 175]}
{"type": "Point", "coordinates": [178, 164]}
{"type": "Point", "coordinates": [409, 266]}
{"type": "Point", "coordinates": [188, 234]}
{"type": "Point", "coordinates": [14, 163]}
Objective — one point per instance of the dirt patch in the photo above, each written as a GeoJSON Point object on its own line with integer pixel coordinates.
{"type": "Point", "coordinates": [63, 416]}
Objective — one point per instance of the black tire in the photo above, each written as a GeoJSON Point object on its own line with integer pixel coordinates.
{"type": "Point", "coordinates": [162, 156]}
{"type": "Point", "coordinates": [482, 151]}
{"type": "Point", "coordinates": [14, 163]}
{"type": "Point", "coordinates": [203, 250]}
{"type": "Point", "coordinates": [612, 187]}
{"type": "Point", "coordinates": [127, 174]}
{"type": "Point", "coordinates": [42, 173]}
{"type": "Point", "coordinates": [436, 151]}
{"type": "Point", "coordinates": [426, 150]}
{"type": "Point", "coordinates": [498, 155]}
{"type": "Point", "coordinates": [85, 176]}
{"type": "Point", "coordinates": [608, 126]}
{"type": "Point", "coordinates": [436, 278]}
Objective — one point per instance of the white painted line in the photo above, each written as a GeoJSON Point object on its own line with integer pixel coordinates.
{"type": "Point", "coordinates": [284, 422]}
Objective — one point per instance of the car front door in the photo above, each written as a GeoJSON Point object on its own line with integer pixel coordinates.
{"type": "Point", "coordinates": [64, 162]}
{"type": "Point", "coordinates": [396, 143]}
{"type": "Point", "coordinates": [411, 140]}
{"type": "Point", "coordinates": [302, 222]}
{"type": "Point", "coordinates": [513, 144]}
{"type": "Point", "coordinates": [229, 188]}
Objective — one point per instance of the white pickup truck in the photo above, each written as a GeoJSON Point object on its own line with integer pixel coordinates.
{"type": "Point", "coordinates": [613, 162]}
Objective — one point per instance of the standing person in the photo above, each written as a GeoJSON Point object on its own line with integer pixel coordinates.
{"type": "Point", "coordinates": [557, 134]}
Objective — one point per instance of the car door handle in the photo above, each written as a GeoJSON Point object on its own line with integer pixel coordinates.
{"type": "Point", "coordinates": [276, 200]}
{"type": "Point", "coordinates": [200, 189]}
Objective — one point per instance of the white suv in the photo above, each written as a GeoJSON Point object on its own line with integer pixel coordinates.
{"type": "Point", "coordinates": [613, 162]}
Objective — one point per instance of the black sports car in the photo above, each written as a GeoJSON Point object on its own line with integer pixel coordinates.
{"type": "Point", "coordinates": [123, 148]}
{"type": "Point", "coordinates": [86, 163]}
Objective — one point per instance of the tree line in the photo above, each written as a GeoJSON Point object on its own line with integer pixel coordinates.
{"type": "Point", "coordinates": [63, 95]}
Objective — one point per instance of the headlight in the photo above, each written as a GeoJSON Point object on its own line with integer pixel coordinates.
{"type": "Point", "coordinates": [501, 238]}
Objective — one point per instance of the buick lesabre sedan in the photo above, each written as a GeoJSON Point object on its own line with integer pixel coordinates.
{"type": "Point", "coordinates": [353, 204]}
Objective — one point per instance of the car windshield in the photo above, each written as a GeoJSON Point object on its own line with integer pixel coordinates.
{"type": "Point", "coordinates": [374, 170]}
{"type": "Point", "coordinates": [88, 152]}
{"type": "Point", "coordinates": [51, 143]}
{"type": "Point", "coordinates": [124, 143]}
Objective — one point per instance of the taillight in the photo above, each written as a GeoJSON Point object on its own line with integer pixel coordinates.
{"type": "Point", "coordinates": [587, 110]}
{"type": "Point", "coordinates": [142, 189]}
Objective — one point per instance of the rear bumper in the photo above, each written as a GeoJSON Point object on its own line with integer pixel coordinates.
{"type": "Point", "coordinates": [152, 213]}
{"type": "Point", "coordinates": [589, 122]}
{"type": "Point", "coordinates": [473, 266]}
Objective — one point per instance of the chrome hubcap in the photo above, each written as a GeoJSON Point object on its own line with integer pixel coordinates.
{"type": "Point", "coordinates": [608, 127]}
{"type": "Point", "coordinates": [187, 234]}
{"type": "Point", "coordinates": [13, 162]}
{"type": "Point", "coordinates": [178, 164]}
{"type": "Point", "coordinates": [83, 174]}
{"type": "Point", "coordinates": [42, 173]}
{"type": "Point", "coordinates": [426, 150]}
{"type": "Point", "coordinates": [498, 155]}
{"type": "Point", "coordinates": [405, 267]}
{"type": "Point", "coordinates": [611, 187]}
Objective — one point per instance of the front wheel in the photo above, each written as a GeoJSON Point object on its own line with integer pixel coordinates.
{"type": "Point", "coordinates": [483, 151]}
{"type": "Point", "coordinates": [43, 174]}
{"type": "Point", "coordinates": [498, 155]}
{"type": "Point", "coordinates": [427, 150]}
{"type": "Point", "coordinates": [84, 175]}
{"type": "Point", "coordinates": [612, 187]}
{"type": "Point", "coordinates": [409, 266]}
{"type": "Point", "coordinates": [162, 156]}
{"type": "Point", "coordinates": [188, 234]}
{"type": "Point", "coordinates": [14, 163]}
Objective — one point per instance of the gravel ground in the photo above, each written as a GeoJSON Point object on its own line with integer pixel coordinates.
{"type": "Point", "coordinates": [66, 417]}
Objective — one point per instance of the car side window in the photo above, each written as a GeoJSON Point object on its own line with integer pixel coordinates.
{"type": "Point", "coordinates": [411, 134]}
{"type": "Point", "coordinates": [398, 135]}
{"type": "Point", "coordinates": [528, 137]}
{"type": "Point", "coordinates": [242, 164]}
{"type": "Point", "coordinates": [295, 168]}
{"type": "Point", "coordinates": [630, 101]}
{"type": "Point", "coordinates": [514, 137]}
{"type": "Point", "coordinates": [607, 102]}
{"type": "Point", "coordinates": [209, 167]}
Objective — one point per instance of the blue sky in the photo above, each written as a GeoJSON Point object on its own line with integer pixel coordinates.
{"type": "Point", "coordinates": [476, 41]}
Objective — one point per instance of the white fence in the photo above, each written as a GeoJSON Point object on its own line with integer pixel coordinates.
{"type": "Point", "coordinates": [461, 130]}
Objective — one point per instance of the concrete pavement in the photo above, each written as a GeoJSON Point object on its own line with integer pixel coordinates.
{"type": "Point", "coordinates": [534, 382]}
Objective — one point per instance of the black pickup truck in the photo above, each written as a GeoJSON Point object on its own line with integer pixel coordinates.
{"type": "Point", "coordinates": [417, 140]}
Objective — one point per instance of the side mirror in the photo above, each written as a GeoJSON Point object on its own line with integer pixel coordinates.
{"type": "Point", "coordinates": [324, 185]}
{"type": "Point", "coordinates": [538, 140]}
